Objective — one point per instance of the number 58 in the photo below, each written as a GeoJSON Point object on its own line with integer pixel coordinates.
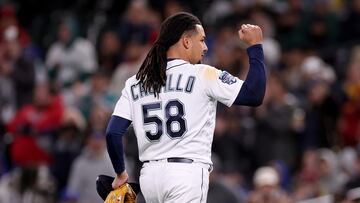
{"type": "Point", "coordinates": [170, 118]}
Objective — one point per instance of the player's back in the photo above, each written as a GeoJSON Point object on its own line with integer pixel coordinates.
{"type": "Point", "coordinates": [179, 122]}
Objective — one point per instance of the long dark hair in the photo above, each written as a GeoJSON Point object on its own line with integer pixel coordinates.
{"type": "Point", "coordinates": [152, 73]}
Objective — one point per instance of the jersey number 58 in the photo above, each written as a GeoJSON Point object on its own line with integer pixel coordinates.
{"type": "Point", "coordinates": [175, 122]}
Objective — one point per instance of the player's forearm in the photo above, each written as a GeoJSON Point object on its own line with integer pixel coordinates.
{"type": "Point", "coordinates": [116, 129]}
{"type": "Point", "coordinates": [253, 90]}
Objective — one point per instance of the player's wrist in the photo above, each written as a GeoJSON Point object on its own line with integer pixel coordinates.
{"type": "Point", "coordinates": [256, 45]}
{"type": "Point", "coordinates": [254, 42]}
{"type": "Point", "coordinates": [120, 179]}
{"type": "Point", "coordinates": [122, 175]}
{"type": "Point", "coordinates": [255, 52]}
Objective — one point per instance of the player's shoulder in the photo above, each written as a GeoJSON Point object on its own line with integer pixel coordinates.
{"type": "Point", "coordinates": [203, 66]}
{"type": "Point", "coordinates": [207, 71]}
{"type": "Point", "coordinates": [131, 80]}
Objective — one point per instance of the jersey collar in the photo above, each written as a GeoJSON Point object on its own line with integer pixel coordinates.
{"type": "Point", "coordinates": [172, 63]}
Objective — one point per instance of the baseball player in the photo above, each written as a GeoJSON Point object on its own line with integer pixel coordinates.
{"type": "Point", "coordinates": [171, 103]}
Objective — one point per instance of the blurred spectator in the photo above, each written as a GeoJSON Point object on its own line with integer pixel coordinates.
{"type": "Point", "coordinates": [353, 195]}
{"type": "Point", "coordinates": [235, 181]}
{"type": "Point", "coordinates": [42, 116]}
{"type": "Point", "coordinates": [223, 52]}
{"type": "Point", "coordinates": [271, 46]}
{"type": "Point", "coordinates": [285, 178]}
{"type": "Point", "coordinates": [320, 199]}
{"type": "Point", "coordinates": [17, 68]}
{"type": "Point", "coordinates": [135, 53]}
{"type": "Point", "coordinates": [28, 184]}
{"type": "Point", "coordinates": [266, 183]}
{"type": "Point", "coordinates": [173, 6]}
{"type": "Point", "coordinates": [321, 26]}
{"type": "Point", "coordinates": [291, 71]}
{"type": "Point", "coordinates": [99, 95]}
{"type": "Point", "coordinates": [67, 146]}
{"type": "Point", "coordinates": [8, 20]}
{"type": "Point", "coordinates": [306, 183]}
{"type": "Point", "coordinates": [276, 139]}
{"type": "Point", "coordinates": [322, 109]}
{"type": "Point", "coordinates": [289, 20]}
{"type": "Point", "coordinates": [218, 190]}
{"type": "Point", "coordinates": [98, 118]}
{"type": "Point", "coordinates": [233, 143]}
{"type": "Point", "coordinates": [92, 162]}
{"type": "Point", "coordinates": [110, 51]}
{"type": "Point", "coordinates": [134, 26]}
{"type": "Point", "coordinates": [25, 150]}
{"type": "Point", "coordinates": [71, 59]}
{"type": "Point", "coordinates": [347, 158]}
{"type": "Point", "coordinates": [314, 68]}
{"type": "Point", "coordinates": [7, 92]}
{"type": "Point", "coordinates": [354, 181]}
{"type": "Point", "coordinates": [153, 19]}
{"type": "Point", "coordinates": [350, 29]}
{"type": "Point", "coordinates": [136, 33]}
{"type": "Point", "coordinates": [35, 125]}
{"type": "Point", "coordinates": [11, 30]}
{"type": "Point", "coordinates": [330, 180]}
{"type": "Point", "coordinates": [217, 10]}
{"type": "Point", "coordinates": [349, 121]}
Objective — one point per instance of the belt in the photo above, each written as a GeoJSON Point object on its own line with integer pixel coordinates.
{"type": "Point", "coordinates": [181, 160]}
{"type": "Point", "coordinates": [175, 160]}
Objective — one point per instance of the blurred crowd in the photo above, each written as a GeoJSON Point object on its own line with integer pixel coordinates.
{"type": "Point", "coordinates": [64, 63]}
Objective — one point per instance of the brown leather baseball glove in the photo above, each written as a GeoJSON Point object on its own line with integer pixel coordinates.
{"type": "Point", "coordinates": [123, 194]}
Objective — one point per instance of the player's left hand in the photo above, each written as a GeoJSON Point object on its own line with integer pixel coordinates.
{"type": "Point", "coordinates": [104, 187]}
{"type": "Point", "coordinates": [250, 34]}
{"type": "Point", "coordinates": [122, 194]}
{"type": "Point", "coordinates": [120, 179]}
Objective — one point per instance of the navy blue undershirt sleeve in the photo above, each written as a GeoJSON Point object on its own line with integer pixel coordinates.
{"type": "Point", "coordinates": [253, 89]}
{"type": "Point", "coordinates": [115, 130]}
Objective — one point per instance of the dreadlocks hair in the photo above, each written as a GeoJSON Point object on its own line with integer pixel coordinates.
{"type": "Point", "coordinates": [152, 72]}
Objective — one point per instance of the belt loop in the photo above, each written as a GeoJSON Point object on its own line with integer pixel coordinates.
{"type": "Point", "coordinates": [210, 168]}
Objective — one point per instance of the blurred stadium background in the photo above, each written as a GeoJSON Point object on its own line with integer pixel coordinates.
{"type": "Point", "coordinates": [63, 64]}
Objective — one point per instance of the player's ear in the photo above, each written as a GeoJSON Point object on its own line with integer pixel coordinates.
{"type": "Point", "coordinates": [186, 41]}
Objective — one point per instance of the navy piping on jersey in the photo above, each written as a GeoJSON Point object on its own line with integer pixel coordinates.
{"type": "Point", "coordinates": [202, 182]}
{"type": "Point", "coordinates": [171, 59]}
{"type": "Point", "coordinates": [176, 65]}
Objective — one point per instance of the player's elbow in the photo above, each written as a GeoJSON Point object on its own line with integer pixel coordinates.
{"type": "Point", "coordinates": [253, 102]}
{"type": "Point", "coordinates": [257, 102]}
{"type": "Point", "coordinates": [108, 136]}
{"type": "Point", "coordinates": [247, 97]}
{"type": "Point", "coordinates": [257, 99]}
{"type": "Point", "coordinates": [108, 132]}
{"type": "Point", "coordinates": [111, 134]}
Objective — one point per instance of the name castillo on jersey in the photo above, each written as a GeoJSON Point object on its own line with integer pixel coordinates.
{"type": "Point", "coordinates": [174, 83]}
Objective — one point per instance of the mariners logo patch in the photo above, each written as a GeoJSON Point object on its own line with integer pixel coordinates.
{"type": "Point", "coordinates": [227, 78]}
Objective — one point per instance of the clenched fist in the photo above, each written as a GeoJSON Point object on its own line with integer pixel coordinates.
{"type": "Point", "coordinates": [250, 34]}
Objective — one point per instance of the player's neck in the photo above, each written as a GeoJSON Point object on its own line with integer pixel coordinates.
{"type": "Point", "coordinates": [178, 53]}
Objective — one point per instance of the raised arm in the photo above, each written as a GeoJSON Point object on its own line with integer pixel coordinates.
{"type": "Point", "coordinates": [253, 89]}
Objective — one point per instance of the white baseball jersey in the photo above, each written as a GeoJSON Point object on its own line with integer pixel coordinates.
{"type": "Point", "coordinates": [181, 121]}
